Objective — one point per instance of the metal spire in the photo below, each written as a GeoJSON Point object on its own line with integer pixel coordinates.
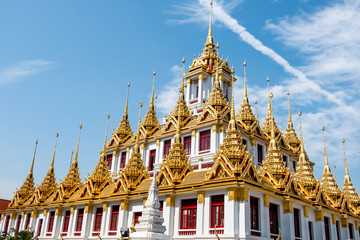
{"type": "Point", "coordinates": [245, 89]}
{"type": "Point", "coordinates": [107, 126]}
{"type": "Point", "coordinates": [325, 154]}
{"type": "Point", "coordinates": [53, 158]}
{"type": "Point", "coordinates": [346, 168]}
{"type": "Point", "coordinates": [77, 146]}
{"type": "Point", "coordinates": [127, 100]}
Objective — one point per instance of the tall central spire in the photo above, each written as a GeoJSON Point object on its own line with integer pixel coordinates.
{"type": "Point", "coordinates": [348, 187]}
{"type": "Point", "coordinates": [77, 147]}
{"type": "Point", "coordinates": [127, 102]}
{"type": "Point", "coordinates": [210, 39]}
{"type": "Point", "coordinates": [290, 137]}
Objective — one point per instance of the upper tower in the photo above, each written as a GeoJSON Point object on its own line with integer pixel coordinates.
{"type": "Point", "coordinates": [200, 76]}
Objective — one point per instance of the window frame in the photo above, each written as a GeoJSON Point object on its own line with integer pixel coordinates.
{"type": "Point", "coordinates": [152, 158]}
{"type": "Point", "coordinates": [27, 221]}
{"type": "Point", "coordinates": [122, 160]}
{"type": "Point", "coordinates": [260, 154]}
{"type": "Point", "coordinates": [109, 159]}
{"type": "Point", "coordinates": [51, 222]}
{"type": "Point", "coordinates": [254, 212]}
{"type": "Point", "coordinates": [66, 223]}
{"type": "Point", "coordinates": [274, 219]}
{"type": "Point", "coordinates": [187, 144]}
{"type": "Point", "coordinates": [79, 220]}
{"type": "Point", "coordinates": [297, 223]}
{"type": "Point", "coordinates": [205, 140]}
{"type": "Point", "coordinates": [217, 212]}
{"type": "Point", "coordinates": [98, 219]}
{"type": "Point", "coordinates": [190, 208]}
{"type": "Point", "coordinates": [167, 147]}
{"type": "Point", "coordinates": [18, 222]}
{"type": "Point", "coordinates": [114, 217]}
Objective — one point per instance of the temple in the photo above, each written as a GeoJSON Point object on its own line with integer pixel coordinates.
{"type": "Point", "coordinates": [207, 166]}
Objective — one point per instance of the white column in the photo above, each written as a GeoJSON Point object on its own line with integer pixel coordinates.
{"type": "Point", "coordinates": [319, 230]}
{"type": "Point", "coordinates": [187, 96]}
{"type": "Point", "coordinates": [105, 221]}
{"type": "Point", "coordinates": [265, 217]}
{"type": "Point", "coordinates": [344, 232]}
{"type": "Point", "coordinates": [88, 223]}
{"type": "Point", "coordinates": [72, 224]}
{"type": "Point", "coordinates": [214, 139]}
{"type": "Point", "coordinates": [168, 215]}
{"type": "Point", "coordinates": [57, 224]}
{"type": "Point", "coordinates": [287, 225]}
{"type": "Point", "coordinates": [200, 214]}
{"type": "Point", "coordinates": [200, 84]}
{"type": "Point", "coordinates": [123, 218]}
{"type": "Point", "coordinates": [241, 218]}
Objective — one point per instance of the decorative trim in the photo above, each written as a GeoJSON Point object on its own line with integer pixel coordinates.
{"type": "Point", "coordinates": [157, 142]}
{"type": "Point", "coordinates": [333, 218]}
{"type": "Point", "coordinates": [243, 194]}
{"type": "Point", "coordinates": [105, 206]}
{"type": "Point", "coordinates": [34, 213]}
{"type": "Point", "coordinates": [58, 211]}
{"type": "Point", "coordinates": [13, 215]}
{"type": "Point", "coordinates": [253, 141]}
{"type": "Point", "coordinates": [287, 207]}
{"type": "Point", "coordinates": [144, 201]}
{"type": "Point", "coordinates": [143, 146]}
{"type": "Point", "coordinates": [3, 216]}
{"type": "Point", "coordinates": [22, 214]}
{"type": "Point", "coordinates": [215, 128]}
{"type": "Point", "coordinates": [201, 197]}
{"type": "Point", "coordinates": [88, 208]}
{"type": "Point", "coordinates": [193, 133]}
{"type": "Point", "coordinates": [128, 149]}
{"type": "Point", "coordinates": [45, 212]}
{"type": "Point", "coordinates": [306, 211]}
{"type": "Point", "coordinates": [221, 78]}
{"type": "Point", "coordinates": [170, 200]}
{"type": "Point", "coordinates": [319, 216]}
{"type": "Point", "coordinates": [116, 153]}
{"type": "Point", "coordinates": [72, 209]}
{"type": "Point", "coordinates": [201, 77]}
{"type": "Point", "coordinates": [356, 225]}
{"type": "Point", "coordinates": [344, 222]}
{"type": "Point", "coordinates": [223, 129]}
{"type": "Point", "coordinates": [125, 205]}
{"type": "Point", "coordinates": [238, 194]}
{"type": "Point", "coordinates": [266, 200]}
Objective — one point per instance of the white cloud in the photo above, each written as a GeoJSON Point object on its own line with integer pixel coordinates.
{"type": "Point", "coordinates": [23, 69]}
{"type": "Point", "coordinates": [329, 38]}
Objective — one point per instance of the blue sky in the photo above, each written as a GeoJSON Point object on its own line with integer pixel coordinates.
{"type": "Point", "coordinates": [64, 63]}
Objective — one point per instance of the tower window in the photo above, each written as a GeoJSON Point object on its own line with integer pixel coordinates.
{"type": "Point", "coordinates": [167, 146]}
{"type": "Point", "coordinates": [245, 143]}
{"type": "Point", "coordinates": [274, 219]}
{"type": "Point", "coordinates": [311, 231]}
{"type": "Point", "coordinates": [297, 222]}
{"type": "Point", "coordinates": [7, 223]}
{"type": "Point", "coordinates": [114, 218]}
{"type": "Point", "coordinates": [152, 159]}
{"type": "Point", "coordinates": [79, 220]}
{"type": "Point", "coordinates": [123, 160]}
{"type": "Point", "coordinates": [109, 160]}
{"type": "Point", "coordinates": [188, 214]}
{"type": "Point", "coordinates": [285, 160]}
{"type": "Point", "coordinates": [98, 219]}
{"type": "Point", "coordinates": [187, 145]}
{"type": "Point", "coordinates": [338, 230]}
{"type": "Point", "coordinates": [217, 211]}
{"type": "Point", "coordinates": [66, 221]}
{"type": "Point", "coordinates": [136, 217]}
{"type": "Point", "coordinates": [204, 140]}
{"type": "Point", "coordinates": [260, 153]}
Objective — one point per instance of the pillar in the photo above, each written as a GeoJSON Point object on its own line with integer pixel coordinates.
{"type": "Point", "coordinates": [242, 213]}
{"type": "Point", "coordinates": [200, 214]}
{"type": "Point", "coordinates": [345, 228]}
{"type": "Point", "coordinates": [265, 218]}
{"type": "Point", "coordinates": [201, 82]}
{"type": "Point", "coordinates": [287, 221]}
{"type": "Point", "coordinates": [168, 214]}
{"type": "Point", "coordinates": [104, 219]}
{"type": "Point", "coordinates": [87, 221]}
{"type": "Point", "coordinates": [319, 230]}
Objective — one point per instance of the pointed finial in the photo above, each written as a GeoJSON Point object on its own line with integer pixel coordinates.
{"type": "Point", "coordinates": [210, 21]}
{"type": "Point", "coordinates": [156, 96]}
{"type": "Point", "coordinates": [289, 118]}
{"type": "Point", "coordinates": [141, 104]}
{"type": "Point", "coordinates": [346, 168]}
{"type": "Point", "coordinates": [245, 89]}
{"type": "Point", "coordinates": [183, 74]}
{"type": "Point", "coordinates": [136, 148]}
{"type": "Point", "coordinates": [33, 160]}
{"type": "Point", "coordinates": [268, 88]}
{"type": "Point", "coordinates": [216, 83]}
{"type": "Point", "coordinates": [127, 101]}
{"type": "Point", "coordinates": [301, 136]}
{"type": "Point", "coordinates": [71, 158]}
{"type": "Point", "coordinates": [325, 154]}
{"type": "Point", "coordinates": [152, 94]}
{"type": "Point", "coordinates": [53, 158]}
{"type": "Point", "coordinates": [106, 132]}
{"type": "Point", "coordinates": [256, 108]}
{"type": "Point", "coordinates": [232, 97]}
{"type": "Point", "coordinates": [271, 97]}
{"type": "Point", "coordinates": [335, 172]}
{"type": "Point", "coordinates": [77, 146]}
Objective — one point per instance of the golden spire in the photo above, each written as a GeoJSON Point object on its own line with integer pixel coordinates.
{"type": "Point", "coordinates": [328, 183]}
{"type": "Point", "coordinates": [150, 123]}
{"type": "Point", "coordinates": [256, 108]}
{"type": "Point", "coordinates": [77, 147]}
{"type": "Point", "coordinates": [290, 137]}
{"type": "Point", "coordinates": [348, 188]}
{"type": "Point", "coordinates": [53, 158]}
{"type": "Point", "coordinates": [106, 133]}
{"type": "Point", "coordinates": [136, 147]}
{"type": "Point", "coordinates": [33, 160]}
{"type": "Point", "coordinates": [245, 89]}
{"type": "Point", "coordinates": [269, 119]}
{"type": "Point", "coordinates": [210, 39]}
{"type": "Point", "coordinates": [124, 131]}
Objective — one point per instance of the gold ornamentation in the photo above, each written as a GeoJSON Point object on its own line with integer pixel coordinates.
{"type": "Point", "coordinates": [13, 215]}
{"type": "Point", "coordinates": [58, 211]}
{"type": "Point", "coordinates": [143, 146]}
{"type": "Point", "coordinates": [215, 128]}
{"type": "Point", "coordinates": [88, 208]}
{"type": "Point", "coordinates": [34, 213]}
{"type": "Point", "coordinates": [344, 222]}
{"type": "Point", "coordinates": [333, 218]}
{"type": "Point", "coordinates": [105, 206]}
{"type": "Point", "coordinates": [266, 200]}
{"type": "Point", "coordinates": [125, 205]}
{"type": "Point", "coordinates": [45, 212]}
{"type": "Point", "coordinates": [144, 201]}
{"type": "Point", "coordinates": [356, 225]}
{"type": "Point", "coordinates": [287, 207]}
{"type": "Point", "coordinates": [243, 195]}
{"type": "Point", "coordinates": [193, 133]}
{"type": "Point", "coordinates": [238, 194]}
{"type": "Point", "coordinates": [291, 139]}
{"type": "Point", "coordinates": [22, 214]}
{"type": "Point", "coordinates": [72, 209]}
{"type": "Point", "coordinates": [157, 142]}
{"type": "Point", "coordinates": [319, 215]}
{"type": "Point", "coordinates": [306, 211]}
{"type": "Point", "coordinates": [170, 200]}
{"type": "Point", "coordinates": [201, 197]}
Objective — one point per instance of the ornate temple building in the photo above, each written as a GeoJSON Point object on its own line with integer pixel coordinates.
{"type": "Point", "coordinates": [216, 169]}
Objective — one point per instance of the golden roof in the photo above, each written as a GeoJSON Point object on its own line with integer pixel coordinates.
{"type": "Point", "coordinates": [328, 183]}
{"type": "Point", "coordinates": [304, 177]}
{"type": "Point", "coordinates": [291, 139]}
{"type": "Point", "coordinates": [245, 116]}
{"type": "Point", "coordinates": [150, 124]}
{"type": "Point", "coordinates": [124, 131]}
{"type": "Point", "coordinates": [176, 164]}
{"type": "Point", "coordinates": [27, 189]}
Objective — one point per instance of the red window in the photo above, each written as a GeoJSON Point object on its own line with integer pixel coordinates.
{"type": "Point", "coordinates": [188, 214]}
{"type": "Point", "coordinates": [297, 222]}
{"type": "Point", "coordinates": [167, 146]}
{"type": "Point", "coordinates": [217, 211]}
{"type": "Point", "coordinates": [187, 145]}
{"type": "Point", "coordinates": [161, 208]}
{"type": "Point", "coordinates": [274, 219]}
{"type": "Point", "coordinates": [109, 160]}
{"type": "Point", "coordinates": [98, 218]}
{"type": "Point", "coordinates": [123, 160]}
{"type": "Point", "coordinates": [7, 223]}
{"type": "Point", "coordinates": [40, 227]}
{"type": "Point", "coordinates": [152, 159]}
{"type": "Point", "coordinates": [66, 221]}
{"type": "Point", "coordinates": [79, 220]}
{"type": "Point", "coordinates": [114, 218]}
{"type": "Point", "coordinates": [27, 223]}
{"type": "Point", "coordinates": [136, 216]}
{"type": "Point", "coordinates": [254, 213]}
{"type": "Point", "coordinates": [51, 221]}
{"type": "Point", "coordinates": [18, 223]}
{"type": "Point", "coordinates": [204, 140]}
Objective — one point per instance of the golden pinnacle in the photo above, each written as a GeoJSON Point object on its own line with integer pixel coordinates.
{"type": "Point", "coordinates": [108, 115]}
{"type": "Point", "coordinates": [244, 63]}
{"type": "Point", "coordinates": [128, 84]}
{"type": "Point", "coordinates": [154, 73]}
{"type": "Point", "coordinates": [323, 128]}
{"type": "Point", "coordinates": [217, 45]}
{"type": "Point", "coordinates": [300, 115]}
{"type": "Point", "coordinates": [255, 101]}
{"type": "Point", "coordinates": [232, 70]}
{"type": "Point", "coordinates": [288, 93]}
{"type": "Point", "coordinates": [183, 60]}
{"type": "Point", "coordinates": [343, 140]}
{"type": "Point", "coordinates": [268, 79]}
{"type": "Point", "coordinates": [80, 125]}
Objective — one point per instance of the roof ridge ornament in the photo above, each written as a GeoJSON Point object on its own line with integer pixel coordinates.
{"type": "Point", "coordinates": [290, 137]}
